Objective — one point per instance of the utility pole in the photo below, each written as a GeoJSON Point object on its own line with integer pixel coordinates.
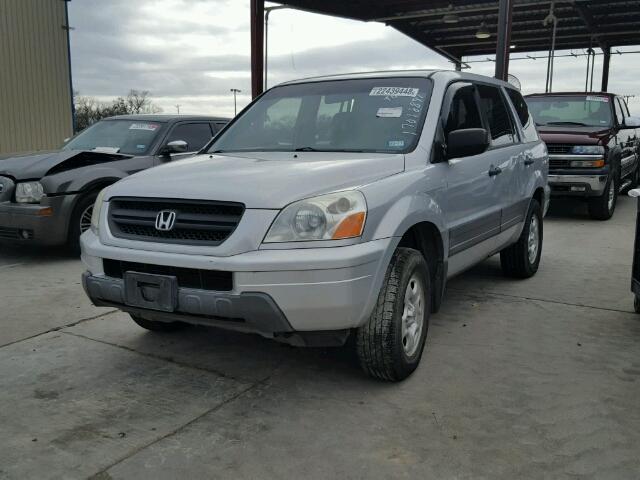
{"type": "Point", "coordinates": [178, 108]}
{"type": "Point", "coordinates": [235, 107]}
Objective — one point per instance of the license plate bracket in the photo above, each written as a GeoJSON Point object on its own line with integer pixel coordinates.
{"type": "Point", "coordinates": [155, 292]}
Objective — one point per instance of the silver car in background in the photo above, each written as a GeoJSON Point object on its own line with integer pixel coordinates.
{"type": "Point", "coordinates": [330, 207]}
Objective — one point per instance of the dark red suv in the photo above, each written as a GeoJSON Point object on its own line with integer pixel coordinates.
{"type": "Point", "coordinates": [593, 146]}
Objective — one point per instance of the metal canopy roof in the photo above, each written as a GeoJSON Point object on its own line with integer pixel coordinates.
{"type": "Point", "coordinates": [581, 23]}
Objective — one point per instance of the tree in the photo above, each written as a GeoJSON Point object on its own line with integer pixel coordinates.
{"type": "Point", "coordinates": [88, 110]}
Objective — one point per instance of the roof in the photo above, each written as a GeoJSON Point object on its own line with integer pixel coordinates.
{"type": "Point", "coordinates": [564, 94]}
{"type": "Point", "coordinates": [448, 74]}
{"type": "Point", "coordinates": [581, 23]}
{"type": "Point", "coordinates": [153, 117]}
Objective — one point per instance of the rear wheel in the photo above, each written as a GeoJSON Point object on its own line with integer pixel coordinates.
{"type": "Point", "coordinates": [158, 326]}
{"type": "Point", "coordinates": [390, 344]}
{"type": "Point", "coordinates": [602, 207]}
{"type": "Point", "coordinates": [521, 260]}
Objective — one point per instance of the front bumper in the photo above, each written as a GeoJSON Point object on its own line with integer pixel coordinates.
{"type": "Point", "coordinates": [313, 289]}
{"type": "Point", "coordinates": [42, 224]}
{"type": "Point", "coordinates": [578, 184]}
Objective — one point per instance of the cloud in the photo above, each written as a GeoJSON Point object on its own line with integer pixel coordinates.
{"type": "Point", "coordinates": [192, 52]}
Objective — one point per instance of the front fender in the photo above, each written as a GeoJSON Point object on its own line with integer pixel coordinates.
{"type": "Point", "coordinates": [80, 180]}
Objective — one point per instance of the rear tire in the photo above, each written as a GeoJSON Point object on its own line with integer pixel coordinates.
{"type": "Point", "coordinates": [390, 344]}
{"type": "Point", "coordinates": [602, 207]}
{"type": "Point", "coordinates": [158, 326]}
{"type": "Point", "coordinates": [522, 259]}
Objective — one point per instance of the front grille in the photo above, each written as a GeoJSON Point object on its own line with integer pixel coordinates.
{"type": "Point", "coordinates": [558, 163]}
{"type": "Point", "coordinates": [558, 148]}
{"type": "Point", "coordinates": [216, 280]}
{"type": "Point", "coordinates": [198, 222]}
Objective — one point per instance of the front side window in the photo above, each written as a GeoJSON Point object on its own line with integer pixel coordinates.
{"type": "Point", "coordinates": [365, 115]}
{"type": "Point", "coordinates": [525, 118]}
{"type": "Point", "coordinates": [619, 112]}
{"type": "Point", "coordinates": [195, 134]}
{"type": "Point", "coordinates": [576, 110]}
{"type": "Point", "coordinates": [130, 137]}
{"type": "Point", "coordinates": [463, 112]}
{"type": "Point", "coordinates": [500, 126]}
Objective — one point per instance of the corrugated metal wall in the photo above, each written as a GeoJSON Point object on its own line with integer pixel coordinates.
{"type": "Point", "coordinates": [35, 96]}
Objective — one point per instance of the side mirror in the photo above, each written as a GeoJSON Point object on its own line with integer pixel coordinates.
{"type": "Point", "coordinates": [631, 122]}
{"type": "Point", "coordinates": [176, 146]}
{"type": "Point", "coordinates": [466, 142]}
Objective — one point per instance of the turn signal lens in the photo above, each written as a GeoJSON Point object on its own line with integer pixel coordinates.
{"type": "Point", "coordinates": [350, 227]}
{"type": "Point", "coordinates": [588, 163]}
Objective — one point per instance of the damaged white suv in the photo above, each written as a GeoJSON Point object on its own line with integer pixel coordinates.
{"type": "Point", "coordinates": [330, 207]}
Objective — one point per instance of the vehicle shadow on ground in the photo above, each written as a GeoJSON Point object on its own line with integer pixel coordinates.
{"type": "Point", "coordinates": [11, 253]}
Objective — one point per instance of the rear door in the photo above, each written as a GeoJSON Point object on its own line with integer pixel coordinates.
{"type": "Point", "coordinates": [473, 202]}
{"type": "Point", "coordinates": [506, 153]}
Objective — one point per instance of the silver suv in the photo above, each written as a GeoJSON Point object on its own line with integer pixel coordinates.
{"type": "Point", "coordinates": [330, 208]}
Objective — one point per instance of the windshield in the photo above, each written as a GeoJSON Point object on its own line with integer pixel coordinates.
{"type": "Point", "coordinates": [366, 115]}
{"type": "Point", "coordinates": [579, 110]}
{"type": "Point", "coordinates": [131, 137]}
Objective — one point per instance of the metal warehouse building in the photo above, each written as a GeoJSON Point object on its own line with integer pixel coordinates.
{"type": "Point", "coordinates": [35, 78]}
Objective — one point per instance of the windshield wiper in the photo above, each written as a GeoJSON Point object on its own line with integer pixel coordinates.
{"type": "Point", "coordinates": [311, 149]}
{"type": "Point", "coordinates": [307, 149]}
{"type": "Point", "coordinates": [580, 124]}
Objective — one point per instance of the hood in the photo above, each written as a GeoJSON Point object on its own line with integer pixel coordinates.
{"type": "Point", "coordinates": [575, 135]}
{"type": "Point", "coordinates": [35, 166]}
{"type": "Point", "coordinates": [261, 180]}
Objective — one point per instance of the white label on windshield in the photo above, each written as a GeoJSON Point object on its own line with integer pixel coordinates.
{"type": "Point", "coordinates": [106, 149]}
{"type": "Point", "coordinates": [393, 92]}
{"type": "Point", "coordinates": [593, 98]}
{"type": "Point", "coordinates": [144, 126]}
{"type": "Point", "coordinates": [394, 112]}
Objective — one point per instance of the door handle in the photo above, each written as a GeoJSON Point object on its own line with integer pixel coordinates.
{"type": "Point", "coordinates": [493, 171]}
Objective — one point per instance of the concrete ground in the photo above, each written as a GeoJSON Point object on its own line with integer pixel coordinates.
{"type": "Point", "coordinates": [520, 379]}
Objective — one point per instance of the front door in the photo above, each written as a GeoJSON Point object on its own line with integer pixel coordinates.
{"type": "Point", "coordinates": [473, 208]}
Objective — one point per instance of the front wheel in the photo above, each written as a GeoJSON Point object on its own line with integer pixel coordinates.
{"type": "Point", "coordinates": [390, 344]}
{"type": "Point", "coordinates": [80, 220]}
{"type": "Point", "coordinates": [602, 207]}
{"type": "Point", "coordinates": [521, 260]}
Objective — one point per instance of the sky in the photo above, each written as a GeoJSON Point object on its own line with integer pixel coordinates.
{"type": "Point", "coordinates": [192, 52]}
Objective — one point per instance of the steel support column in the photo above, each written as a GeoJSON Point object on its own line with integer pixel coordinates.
{"type": "Point", "coordinates": [257, 47]}
{"type": "Point", "coordinates": [505, 14]}
{"type": "Point", "coordinates": [606, 58]}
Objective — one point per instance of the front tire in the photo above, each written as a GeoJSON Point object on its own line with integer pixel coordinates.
{"type": "Point", "coordinates": [390, 344]}
{"type": "Point", "coordinates": [602, 207]}
{"type": "Point", "coordinates": [80, 220]}
{"type": "Point", "coordinates": [522, 259]}
{"type": "Point", "coordinates": [158, 326]}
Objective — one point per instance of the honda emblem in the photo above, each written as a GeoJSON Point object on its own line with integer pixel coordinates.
{"type": "Point", "coordinates": [165, 220]}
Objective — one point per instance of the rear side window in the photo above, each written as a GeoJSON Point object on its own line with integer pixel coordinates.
{"type": "Point", "coordinates": [195, 134]}
{"type": "Point", "coordinates": [493, 106]}
{"type": "Point", "coordinates": [525, 118]}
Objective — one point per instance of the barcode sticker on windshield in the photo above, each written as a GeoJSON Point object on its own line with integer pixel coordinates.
{"type": "Point", "coordinates": [393, 92]}
{"type": "Point", "coordinates": [593, 98]}
{"type": "Point", "coordinates": [389, 112]}
{"type": "Point", "coordinates": [144, 126]}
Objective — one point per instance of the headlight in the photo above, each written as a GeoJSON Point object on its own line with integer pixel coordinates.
{"type": "Point", "coordinates": [29, 192]}
{"type": "Point", "coordinates": [587, 150]}
{"type": "Point", "coordinates": [328, 217]}
{"type": "Point", "coordinates": [97, 208]}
